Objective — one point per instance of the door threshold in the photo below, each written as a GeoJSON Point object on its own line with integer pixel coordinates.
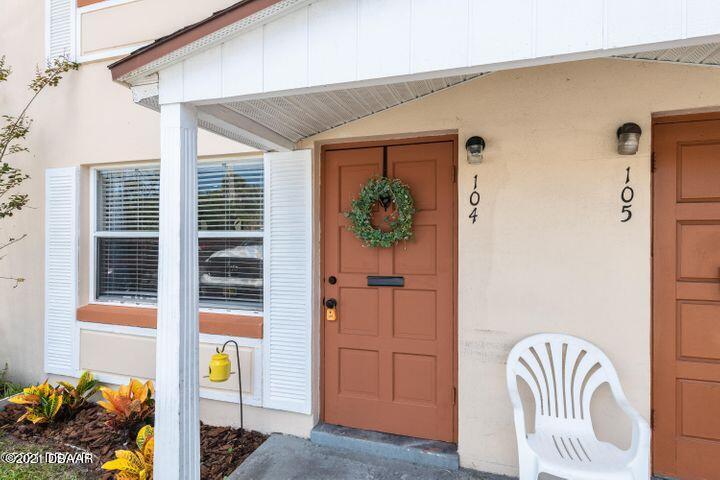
{"type": "Point", "coordinates": [387, 445]}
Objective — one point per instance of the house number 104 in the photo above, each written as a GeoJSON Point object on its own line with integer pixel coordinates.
{"type": "Point", "coordinates": [474, 201]}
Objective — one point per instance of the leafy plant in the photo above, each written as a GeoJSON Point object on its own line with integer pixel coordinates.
{"type": "Point", "coordinates": [14, 130]}
{"type": "Point", "coordinates": [76, 396]}
{"type": "Point", "coordinates": [138, 464]}
{"type": "Point", "coordinates": [45, 403]}
{"type": "Point", "coordinates": [42, 403]}
{"type": "Point", "coordinates": [130, 404]}
{"type": "Point", "coordinates": [7, 387]}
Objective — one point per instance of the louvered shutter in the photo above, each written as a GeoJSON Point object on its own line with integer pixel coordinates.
{"type": "Point", "coordinates": [60, 28]}
{"type": "Point", "coordinates": [288, 279]}
{"type": "Point", "coordinates": [61, 266]}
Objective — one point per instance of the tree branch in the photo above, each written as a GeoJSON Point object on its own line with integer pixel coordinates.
{"type": "Point", "coordinates": [49, 77]}
{"type": "Point", "coordinates": [12, 241]}
{"type": "Point", "coordinates": [17, 280]}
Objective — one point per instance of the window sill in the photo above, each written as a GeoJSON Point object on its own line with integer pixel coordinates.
{"type": "Point", "coordinates": [85, 3]}
{"type": "Point", "coordinates": [212, 323]}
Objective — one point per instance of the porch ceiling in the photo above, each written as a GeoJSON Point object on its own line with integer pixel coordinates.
{"type": "Point", "coordinates": [211, 123]}
{"type": "Point", "coordinates": [300, 116]}
{"type": "Point", "coordinates": [277, 123]}
{"type": "Point", "coordinates": [706, 54]}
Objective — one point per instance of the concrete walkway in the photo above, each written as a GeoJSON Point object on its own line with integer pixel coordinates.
{"type": "Point", "coordinates": [283, 457]}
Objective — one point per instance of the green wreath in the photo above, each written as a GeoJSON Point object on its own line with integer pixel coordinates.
{"type": "Point", "coordinates": [385, 191]}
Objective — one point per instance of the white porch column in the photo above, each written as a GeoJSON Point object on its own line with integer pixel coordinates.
{"type": "Point", "coordinates": [177, 421]}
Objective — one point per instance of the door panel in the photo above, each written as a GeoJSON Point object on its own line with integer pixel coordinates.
{"type": "Point", "coordinates": [686, 300]}
{"type": "Point", "coordinates": [388, 359]}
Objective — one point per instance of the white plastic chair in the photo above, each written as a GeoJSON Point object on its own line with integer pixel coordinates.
{"type": "Point", "coordinates": [563, 373]}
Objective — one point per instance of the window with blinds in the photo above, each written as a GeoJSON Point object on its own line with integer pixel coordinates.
{"type": "Point", "coordinates": [230, 224]}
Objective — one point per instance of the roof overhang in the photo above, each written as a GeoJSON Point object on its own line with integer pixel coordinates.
{"type": "Point", "coordinates": [276, 123]}
{"type": "Point", "coordinates": [269, 73]}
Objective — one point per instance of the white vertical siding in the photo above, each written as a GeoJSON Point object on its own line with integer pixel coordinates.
{"type": "Point", "coordinates": [61, 266]}
{"type": "Point", "coordinates": [505, 31]}
{"type": "Point", "coordinates": [449, 48]}
{"type": "Point", "coordinates": [327, 42]}
{"type": "Point", "coordinates": [702, 17]}
{"type": "Point", "coordinates": [332, 42]}
{"type": "Point", "coordinates": [384, 38]}
{"type": "Point", "coordinates": [203, 74]}
{"type": "Point", "coordinates": [661, 22]}
{"type": "Point", "coordinates": [242, 59]}
{"type": "Point", "coordinates": [567, 26]}
{"type": "Point", "coordinates": [287, 328]}
{"type": "Point", "coordinates": [289, 35]}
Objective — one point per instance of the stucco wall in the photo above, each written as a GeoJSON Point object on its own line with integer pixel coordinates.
{"type": "Point", "coordinates": [100, 350]}
{"type": "Point", "coordinates": [87, 120]}
{"type": "Point", "coordinates": [111, 354]}
{"type": "Point", "coordinates": [106, 25]}
{"type": "Point", "coordinates": [548, 252]}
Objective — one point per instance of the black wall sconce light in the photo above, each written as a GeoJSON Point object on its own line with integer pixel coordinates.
{"type": "Point", "coordinates": [475, 147]}
{"type": "Point", "coordinates": [628, 138]}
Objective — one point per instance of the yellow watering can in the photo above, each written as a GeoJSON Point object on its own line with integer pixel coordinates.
{"type": "Point", "coordinates": [219, 371]}
{"type": "Point", "coordinates": [219, 367]}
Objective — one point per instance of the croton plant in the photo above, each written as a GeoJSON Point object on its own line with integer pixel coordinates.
{"type": "Point", "coordinates": [45, 403]}
{"type": "Point", "coordinates": [138, 464]}
{"type": "Point", "coordinates": [130, 404]}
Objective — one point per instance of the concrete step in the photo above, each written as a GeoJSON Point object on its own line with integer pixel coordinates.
{"type": "Point", "coordinates": [386, 445]}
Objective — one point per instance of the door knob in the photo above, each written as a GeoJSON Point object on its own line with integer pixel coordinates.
{"type": "Point", "coordinates": [330, 303]}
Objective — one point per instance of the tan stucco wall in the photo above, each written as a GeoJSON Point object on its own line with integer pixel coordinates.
{"type": "Point", "coordinates": [548, 252]}
{"type": "Point", "coordinates": [108, 26]}
{"type": "Point", "coordinates": [108, 353]}
{"type": "Point", "coordinates": [87, 120]}
{"type": "Point", "coordinates": [121, 355]}
{"type": "Point", "coordinates": [100, 351]}
{"type": "Point", "coordinates": [263, 420]}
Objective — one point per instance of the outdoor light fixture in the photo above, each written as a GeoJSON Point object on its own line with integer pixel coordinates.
{"type": "Point", "coordinates": [475, 147]}
{"type": "Point", "coordinates": [219, 371]}
{"type": "Point", "coordinates": [628, 136]}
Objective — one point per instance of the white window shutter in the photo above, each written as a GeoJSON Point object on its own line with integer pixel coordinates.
{"type": "Point", "coordinates": [287, 327]}
{"type": "Point", "coordinates": [61, 267]}
{"type": "Point", "coordinates": [60, 28]}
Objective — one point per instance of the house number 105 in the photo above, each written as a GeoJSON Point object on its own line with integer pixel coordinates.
{"type": "Point", "coordinates": [626, 195]}
{"type": "Point", "coordinates": [474, 201]}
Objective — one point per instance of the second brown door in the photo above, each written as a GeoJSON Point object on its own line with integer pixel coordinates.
{"type": "Point", "coordinates": [686, 291]}
{"type": "Point", "coordinates": [388, 359]}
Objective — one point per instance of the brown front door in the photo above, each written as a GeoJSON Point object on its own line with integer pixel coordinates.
{"type": "Point", "coordinates": [388, 360]}
{"type": "Point", "coordinates": [686, 298]}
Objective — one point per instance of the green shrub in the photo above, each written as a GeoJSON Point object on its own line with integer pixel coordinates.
{"type": "Point", "coordinates": [45, 403]}
{"type": "Point", "coordinates": [7, 387]}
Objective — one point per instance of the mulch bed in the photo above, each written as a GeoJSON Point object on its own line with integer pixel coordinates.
{"type": "Point", "coordinates": [222, 448]}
